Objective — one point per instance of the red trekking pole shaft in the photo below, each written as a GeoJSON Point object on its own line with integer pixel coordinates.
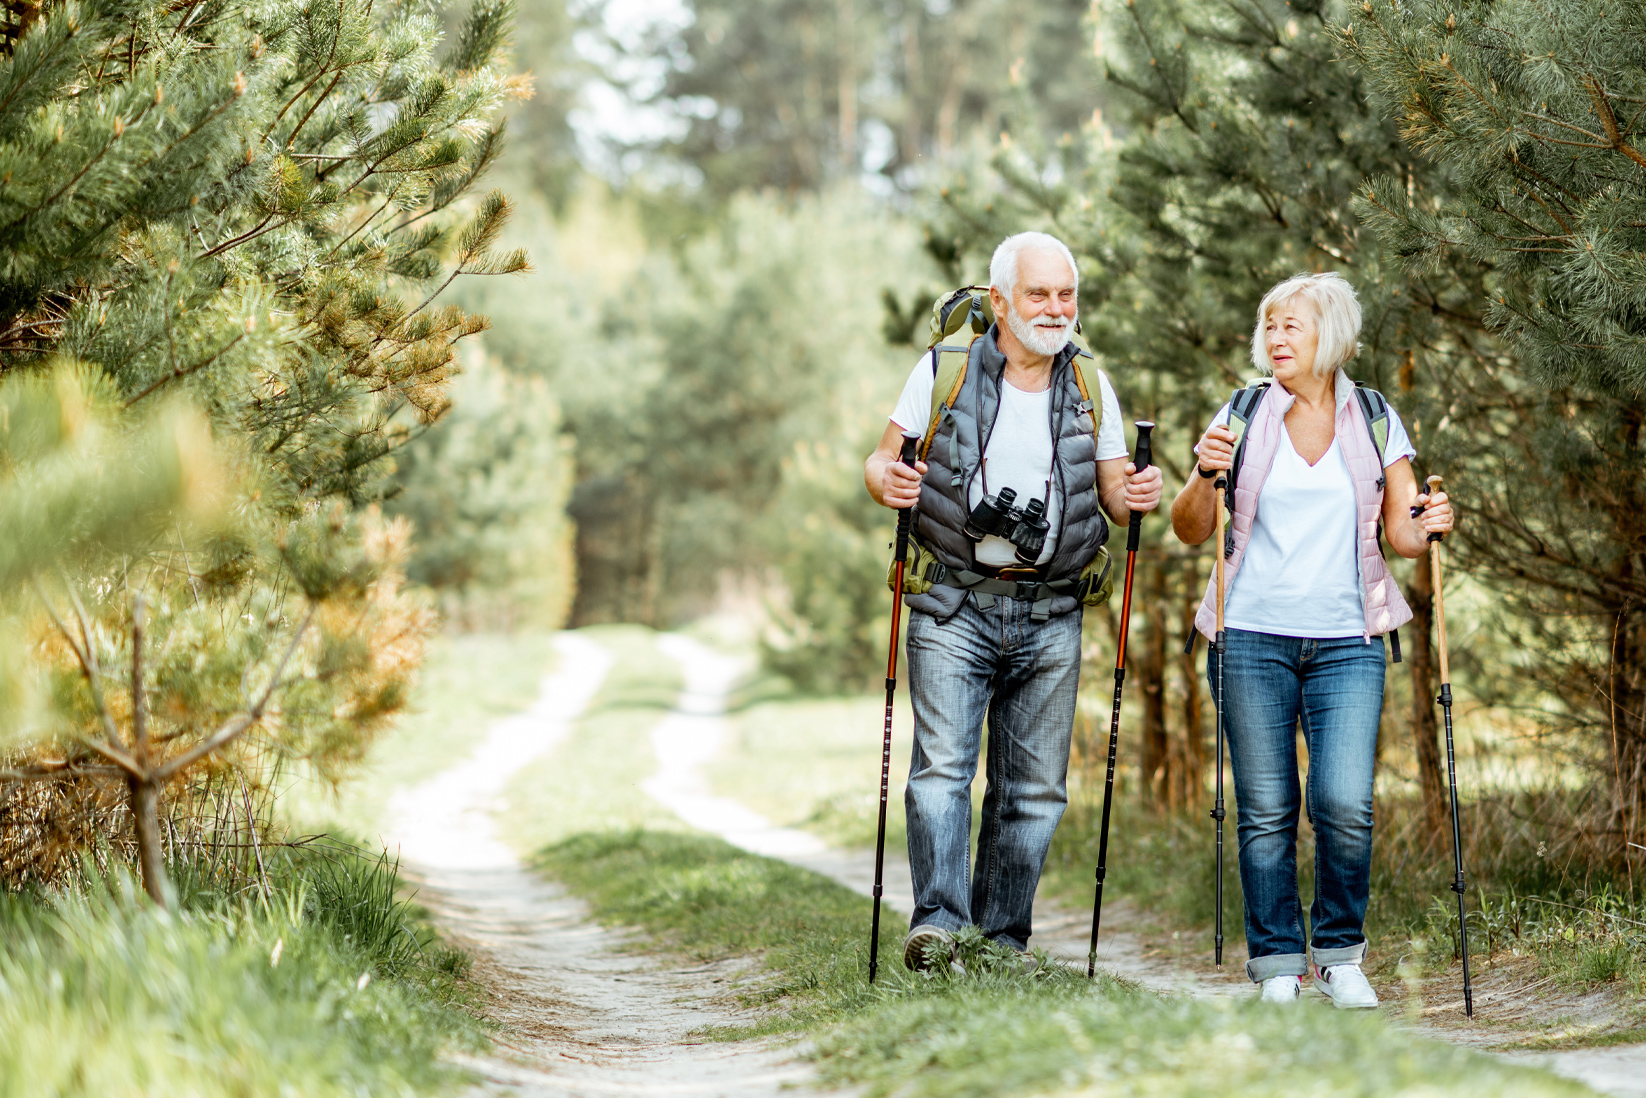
{"type": "Point", "coordinates": [1133, 530]}
{"type": "Point", "coordinates": [900, 558]}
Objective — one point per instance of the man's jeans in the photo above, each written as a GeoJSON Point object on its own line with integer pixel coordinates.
{"type": "Point", "coordinates": [1336, 687]}
{"type": "Point", "coordinates": [1024, 675]}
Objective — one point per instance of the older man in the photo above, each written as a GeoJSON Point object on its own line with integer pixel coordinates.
{"type": "Point", "coordinates": [974, 649]}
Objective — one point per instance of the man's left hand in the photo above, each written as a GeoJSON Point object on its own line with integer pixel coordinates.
{"type": "Point", "coordinates": [1143, 489]}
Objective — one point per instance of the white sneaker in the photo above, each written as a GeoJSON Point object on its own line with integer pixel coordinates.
{"type": "Point", "coordinates": [1282, 989]}
{"type": "Point", "coordinates": [1346, 986]}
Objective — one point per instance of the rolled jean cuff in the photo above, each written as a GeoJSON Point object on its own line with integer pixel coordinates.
{"type": "Point", "coordinates": [1259, 969]}
{"type": "Point", "coordinates": [1346, 955]}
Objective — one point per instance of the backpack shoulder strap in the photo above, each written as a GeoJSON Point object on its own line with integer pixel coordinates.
{"type": "Point", "coordinates": [1376, 410]}
{"type": "Point", "coordinates": [949, 361]}
{"type": "Point", "coordinates": [1088, 402]}
{"type": "Point", "coordinates": [1242, 407]}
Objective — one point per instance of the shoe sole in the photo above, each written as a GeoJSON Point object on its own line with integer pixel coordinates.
{"type": "Point", "coordinates": [1347, 1006]}
{"type": "Point", "coordinates": [914, 951]}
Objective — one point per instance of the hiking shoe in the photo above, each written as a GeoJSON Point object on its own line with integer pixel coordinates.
{"type": "Point", "coordinates": [1282, 989]}
{"type": "Point", "coordinates": [922, 942]}
{"type": "Point", "coordinates": [1346, 986]}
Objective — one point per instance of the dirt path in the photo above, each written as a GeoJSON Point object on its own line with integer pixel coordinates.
{"type": "Point", "coordinates": [692, 736]}
{"type": "Point", "coordinates": [582, 1017]}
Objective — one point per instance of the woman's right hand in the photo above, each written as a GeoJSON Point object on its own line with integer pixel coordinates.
{"type": "Point", "coordinates": [1216, 449]}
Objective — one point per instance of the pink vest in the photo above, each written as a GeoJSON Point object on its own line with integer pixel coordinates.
{"type": "Point", "coordinates": [1385, 609]}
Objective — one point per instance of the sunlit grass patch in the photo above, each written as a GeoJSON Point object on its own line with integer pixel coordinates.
{"type": "Point", "coordinates": [998, 1029]}
{"type": "Point", "coordinates": [327, 987]}
{"type": "Point", "coordinates": [959, 1041]}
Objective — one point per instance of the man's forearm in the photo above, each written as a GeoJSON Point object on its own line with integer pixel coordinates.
{"type": "Point", "coordinates": [1115, 504]}
{"type": "Point", "coordinates": [874, 477]}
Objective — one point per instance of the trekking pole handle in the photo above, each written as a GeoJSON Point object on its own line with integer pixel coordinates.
{"type": "Point", "coordinates": [911, 444]}
{"type": "Point", "coordinates": [1140, 460]}
{"type": "Point", "coordinates": [1434, 487]}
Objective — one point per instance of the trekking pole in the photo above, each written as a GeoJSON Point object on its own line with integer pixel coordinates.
{"type": "Point", "coordinates": [1141, 461]}
{"type": "Point", "coordinates": [900, 557]}
{"type": "Point", "coordinates": [1459, 886]}
{"type": "Point", "coordinates": [1218, 648]}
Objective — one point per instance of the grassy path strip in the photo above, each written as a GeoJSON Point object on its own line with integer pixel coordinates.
{"type": "Point", "coordinates": [998, 1030]}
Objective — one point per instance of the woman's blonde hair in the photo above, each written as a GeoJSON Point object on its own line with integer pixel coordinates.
{"type": "Point", "coordinates": [1337, 319]}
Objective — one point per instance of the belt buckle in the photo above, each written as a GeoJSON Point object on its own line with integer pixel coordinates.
{"type": "Point", "coordinates": [1026, 579]}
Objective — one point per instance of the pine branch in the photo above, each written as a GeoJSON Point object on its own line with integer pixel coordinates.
{"type": "Point", "coordinates": [185, 371]}
{"type": "Point", "coordinates": [236, 726]}
{"type": "Point", "coordinates": [1614, 135]}
{"type": "Point", "coordinates": [87, 657]}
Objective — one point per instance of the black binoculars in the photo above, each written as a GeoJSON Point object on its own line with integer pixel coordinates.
{"type": "Point", "coordinates": [1024, 527]}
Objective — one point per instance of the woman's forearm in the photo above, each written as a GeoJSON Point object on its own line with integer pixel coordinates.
{"type": "Point", "coordinates": [1193, 511]}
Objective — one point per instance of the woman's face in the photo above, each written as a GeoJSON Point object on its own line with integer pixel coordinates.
{"type": "Point", "coordinates": [1293, 336]}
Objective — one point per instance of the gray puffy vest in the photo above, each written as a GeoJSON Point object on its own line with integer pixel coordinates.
{"type": "Point", "coordinates": [955, 458]}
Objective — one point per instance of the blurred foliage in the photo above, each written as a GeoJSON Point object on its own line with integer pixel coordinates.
{"type": "Point", "coordinates": [485, 490]}
{"type": "Point", "coordinates": [795, 94]}
{"type": "Point", "coordinates": [722, 395]}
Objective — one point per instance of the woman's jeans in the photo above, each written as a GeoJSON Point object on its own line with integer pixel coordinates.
{"type": "Point", "coordinates": [1336, 687]}
{"type": "Point", "coordinates": [1023, 674]}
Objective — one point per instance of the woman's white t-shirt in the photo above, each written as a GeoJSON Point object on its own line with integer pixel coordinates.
{"type": "Point", "coordinates": [1019, 454]}
{"type": "Point", "coordinates": [1300, 576]}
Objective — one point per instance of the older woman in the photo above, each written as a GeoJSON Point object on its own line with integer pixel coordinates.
{"type": "Point", "coordinates": [1307, 595]}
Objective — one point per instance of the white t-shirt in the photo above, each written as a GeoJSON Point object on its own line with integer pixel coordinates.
{"type": "Point", "coordinates": [1300, 576]}
{"type": "Point", "coordinates": [1019, 454]}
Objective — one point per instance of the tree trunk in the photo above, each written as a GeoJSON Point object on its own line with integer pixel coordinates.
{"type": "Point", "coordinates": [1627, 683]}
{"type": "Point", "coordinates": [145, 793]}
{"type": "Point", "coordinates": [1194, 736]}
{"type": "Point", "coordinates": [145, 818]}
{"type": "Point", "coordinates": [1151, 673]}
{"type": "Point", "coordinates": [846, 38]}
{"type": "Point", "coordinates": [1420, 594]}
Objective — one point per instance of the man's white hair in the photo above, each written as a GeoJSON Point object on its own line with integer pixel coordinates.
{"type": "Point", "coordinates": [1337, 320]}
{"type": "Point", "coordinates": [1003, 267]}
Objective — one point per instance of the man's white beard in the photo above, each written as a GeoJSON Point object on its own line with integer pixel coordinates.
{"type": "Point", "coordinates": [1040, 337]}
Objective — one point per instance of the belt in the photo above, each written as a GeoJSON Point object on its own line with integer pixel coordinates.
{"type": "Point", "coordinates": [1011, 581]}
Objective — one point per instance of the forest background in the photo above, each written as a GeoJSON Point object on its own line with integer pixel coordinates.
{"type": "Point", "coordinates": [261, 438]}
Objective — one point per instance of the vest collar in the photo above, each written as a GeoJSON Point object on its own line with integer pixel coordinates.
{"type": "Point", "coordinates": [1342, 389]}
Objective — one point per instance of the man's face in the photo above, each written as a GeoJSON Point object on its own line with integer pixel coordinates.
{"type": "Point", "coordinates": [1044, 302]}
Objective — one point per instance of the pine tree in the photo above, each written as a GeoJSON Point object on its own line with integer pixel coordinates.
{"type": "Point", "coordinates": [1533, 107]}
{"type": "Point", "coordinates": [248, 211]}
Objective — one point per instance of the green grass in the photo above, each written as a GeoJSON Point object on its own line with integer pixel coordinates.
{"type": "Point", "coordinates": [815, 763]}
{"type": "Point", "coordinates": [998, 1030]}
{"type": "Point", "coordinates": [329, 987]}
{"type": "Point", "coordinates": [705, 898]}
